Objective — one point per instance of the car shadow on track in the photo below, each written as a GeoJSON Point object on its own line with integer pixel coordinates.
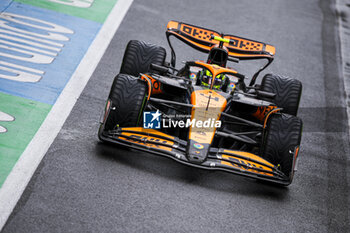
{"type": "Point", "coordinates": [214, 180]}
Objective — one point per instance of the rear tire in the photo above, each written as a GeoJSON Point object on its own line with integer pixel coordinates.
{"type": "Point", "coordinates": [287, 90]}
{"type": "Point", "coordinates": [283, 136]}
{"type": "Point", "coordinates": [139, 55]}
{"type": "Point", "coordinates": [128, 96]}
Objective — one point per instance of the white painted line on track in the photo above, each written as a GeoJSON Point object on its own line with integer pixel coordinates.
{"type": "Point", "coordinates": [25, 167]}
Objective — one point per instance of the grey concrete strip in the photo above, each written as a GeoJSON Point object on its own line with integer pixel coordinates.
{"type": "Point", "coordinates": [343, 13]}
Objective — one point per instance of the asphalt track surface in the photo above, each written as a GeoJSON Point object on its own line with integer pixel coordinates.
{"type": "Point", "coordinates": [85, 186]}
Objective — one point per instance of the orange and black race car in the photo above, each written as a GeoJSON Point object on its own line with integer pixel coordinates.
{"type": "Point", "coordinates": [204, 114]}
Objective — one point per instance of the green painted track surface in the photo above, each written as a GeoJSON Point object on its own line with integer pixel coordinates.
{"type": "Point", "coordinates": [98, 11]}
{"type": "Point", "coordinates": [29, 116]}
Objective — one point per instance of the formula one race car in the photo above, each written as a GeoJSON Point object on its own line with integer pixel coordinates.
{"type": "Point", "coordinates": [204, 115]}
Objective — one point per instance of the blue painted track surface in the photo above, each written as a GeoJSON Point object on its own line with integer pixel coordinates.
{"type": "Point", "coordinates": [58, 73]}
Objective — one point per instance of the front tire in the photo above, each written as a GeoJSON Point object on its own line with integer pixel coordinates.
{"type": "Point", "coordinates": [282, 138]}
{"type": "Point", "coordinates": [128, 95]}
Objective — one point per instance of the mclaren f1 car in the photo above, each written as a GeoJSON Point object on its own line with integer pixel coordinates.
{"type": "Point", "coordinates": [205, 114]}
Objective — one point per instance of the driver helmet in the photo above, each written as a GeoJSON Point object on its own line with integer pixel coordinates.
{"type": "Point", "coordinates": [207, 78]}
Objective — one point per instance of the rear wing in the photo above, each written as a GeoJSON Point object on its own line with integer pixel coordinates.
{"type": "Point", "coordinates": [202, 39]}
